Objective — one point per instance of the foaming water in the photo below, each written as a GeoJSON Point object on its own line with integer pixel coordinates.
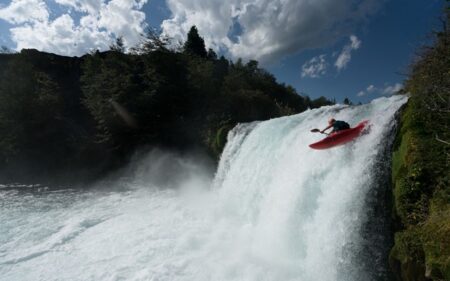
{"type": "Point", "coordinates": [275, 210]}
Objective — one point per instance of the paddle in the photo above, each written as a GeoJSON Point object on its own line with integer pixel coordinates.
{"type": "Point", "coordinates": [318, 131]}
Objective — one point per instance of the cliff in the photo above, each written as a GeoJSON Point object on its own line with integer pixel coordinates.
{"type": "Point", "coordinates": [420, 169]}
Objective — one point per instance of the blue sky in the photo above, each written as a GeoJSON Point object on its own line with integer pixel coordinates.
{"type": "Point", "coordinates": [390, 43]}
{"type": "Point", "coordinates": [358, 49]}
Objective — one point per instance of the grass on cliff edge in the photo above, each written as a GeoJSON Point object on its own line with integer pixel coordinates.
{"type": "Point", "coordinates": [422, 197]}
{"type": "Point", "coordinates": [420, 169]}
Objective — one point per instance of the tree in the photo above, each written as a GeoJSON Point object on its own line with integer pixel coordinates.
{"type": "Point", "coordinates": [30, 105]}
{"type": "Point", "coordinates": [152, 41]}
{"type": "Point", "coordinates": [320, 101]}
{"type": "Point", "coordinates": [195, 45]}
{"type": "Point", "coordinates": [211, 54]}
{"type": "Point", "coordinates": [252, 66]}
{"type": "Point", "coordinates": [118, 45]}
{"type": "Point", "coordinates": [347, 101]}
{"type": "Point", "coordinates": [110, 85]}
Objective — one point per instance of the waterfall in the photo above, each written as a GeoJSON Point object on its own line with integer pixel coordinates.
{"type": "Point", "coordinates": [275, 210]}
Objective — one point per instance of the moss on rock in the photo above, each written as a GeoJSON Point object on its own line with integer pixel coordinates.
{"type": "Point", "coordinates": [420, 170]}
{"type": "Point", "coordinates": [421, 204]}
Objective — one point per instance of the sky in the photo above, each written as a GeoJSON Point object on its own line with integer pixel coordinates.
{"type": "Point", "coordinates": [359, 49]}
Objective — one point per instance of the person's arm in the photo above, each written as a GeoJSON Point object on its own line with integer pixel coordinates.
{"type": "Point", "coordinates": [323, 131]}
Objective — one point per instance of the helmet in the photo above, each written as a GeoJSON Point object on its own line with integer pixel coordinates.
{"type": "Point", "coordinates": [331, 121]}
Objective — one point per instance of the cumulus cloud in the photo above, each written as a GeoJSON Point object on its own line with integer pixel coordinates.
{"type": "Point", "coordinates": [270, 29]}
{"type": "Point", "coordinates": [368, 90]}
{"type": "Point", "coordinates": [100, 22]}
{"type": "Point", "coordinates": [22, 11]}
{"type": "Point", "coordinates": [385, 90]}
{"type": "Point", "coordinates": [315, 67]}
{"type": "Point", "coordinates": [346, 53]}
{"type": "Point", "coordinates": [87, 6]}
{"type": "Point", "coordinates": [123, 18]}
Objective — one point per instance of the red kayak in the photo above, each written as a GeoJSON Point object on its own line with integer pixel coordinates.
{"type": "Point", "coordinates": [341, 137]}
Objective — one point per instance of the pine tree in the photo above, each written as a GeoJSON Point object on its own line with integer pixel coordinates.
{"type": "Point", "coordinates": [211, 54]}
{"type": "Point", "coordinates": [195, 45]}
{"type": "Point", "coordinates": [152, 41]}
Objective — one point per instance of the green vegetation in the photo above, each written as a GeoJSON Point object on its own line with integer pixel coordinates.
{"type": "Point", "coordinates": [64, 114]}
{"type": "Point", "coordinates": [420, 168]}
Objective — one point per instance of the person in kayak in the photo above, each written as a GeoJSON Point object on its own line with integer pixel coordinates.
{"type": "Point", "coordinates": [337, 126]}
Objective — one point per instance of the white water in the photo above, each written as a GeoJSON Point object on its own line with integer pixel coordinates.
{"type": "Point", "coordinates": [276, 210]}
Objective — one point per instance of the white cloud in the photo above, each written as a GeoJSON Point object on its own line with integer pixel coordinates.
{"type": "Point", "coordinates": [87, 6]}
{"type": "Point", "coordinates": [60, 36]}
{"type": "Point", "coordinates": [122, 18]}
{"type": "Point", "coordinates": [101, 22]}
{"type": "Point", "coordinates": [390, 90]}
{"type": "Point", "coordinates": [315, 67]}
{"type": "Point", "coordinates": [271, 29]}
{"type": "Point", "coordinates": [23, 11]}
{"type": "Point", "coordinates": [346, 53]}
{"type": "Point", "coordinates": [386, 90]}
{"type": "Point", "coordinates": [370, 89]}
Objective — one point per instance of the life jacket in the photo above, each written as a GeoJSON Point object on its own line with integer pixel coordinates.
{"type": "Point", "coordinates": [340, 125]}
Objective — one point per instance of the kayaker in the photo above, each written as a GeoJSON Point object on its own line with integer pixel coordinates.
{"type": "Point", "coordinates": [337, 125]}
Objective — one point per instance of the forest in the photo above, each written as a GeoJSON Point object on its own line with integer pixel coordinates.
{"type": "Point", "coordinates": [59, 115]}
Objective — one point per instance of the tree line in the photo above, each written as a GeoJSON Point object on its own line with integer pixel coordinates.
{"type": "Point", "coordinates": [68, 113]}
